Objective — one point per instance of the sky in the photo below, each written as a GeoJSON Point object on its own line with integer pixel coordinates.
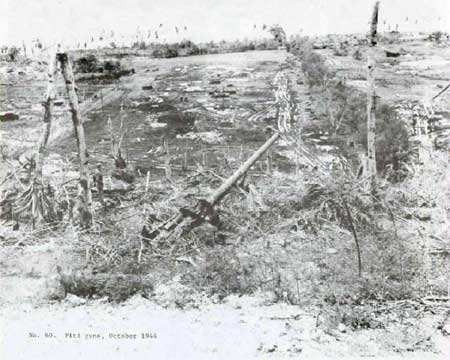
{"type": "Point", "coordinates": [72, 21]}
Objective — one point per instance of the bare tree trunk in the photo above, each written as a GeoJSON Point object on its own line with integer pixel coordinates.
{"type": "Point", "coordinates": [371, 124]}
{"type": "Point", "coordinates": [371, 102]}
{"type": "Point", "coordinates": [355, 236]}
{"type": "Point", "coordinates": [374, 25]}
{"type": "Point", "coordinates": [48, 114]}
{"type": "Point", "coordinates": [84, 197]}
{"type": "Point", "coordinates": [36, 209]}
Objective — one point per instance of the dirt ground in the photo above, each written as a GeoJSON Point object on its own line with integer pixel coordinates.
{"type": "Point", "coordinates": [238, 328]}
{"type": "Point", "coordinates": [200, 109]}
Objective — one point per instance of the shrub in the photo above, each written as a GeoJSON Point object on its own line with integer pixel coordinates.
{"type": "Point", "coordinates": [220, 273]}
{"type": "Point", "coordinates": [141, 45]}
{"type": "Point", "coordinates": [392, 138]}
{"type": "Point", "coordinates": [86, 64]}
{"type": "Point", "coordinates": [187, 48]}
{"type": "Point", "coordinates": [392, 144]}
{"type": "Point", "coordinates": [357, 55]}
{"type": "Point", "coordinates": [341, 49]}
{"type": "Point", "coordinates": [165, 51]}
{"type": "Point", "coordinates": [313, 65]}
{"type": "Point", "coordinates": [111, 66]}
{"type": "Point", "coordinates": [438, 36]}
{"type": "Point", "coordinates": [13, 52]}
{"type": "Point", "coordinates": [315, 69]}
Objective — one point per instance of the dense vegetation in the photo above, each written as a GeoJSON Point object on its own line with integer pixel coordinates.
{"type": "Point", "coordinates": [188, 48]}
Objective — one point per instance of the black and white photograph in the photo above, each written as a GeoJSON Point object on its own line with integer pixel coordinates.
{"type": "Point", "coordinates": [224, 179]}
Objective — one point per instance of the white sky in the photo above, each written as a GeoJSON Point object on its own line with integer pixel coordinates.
{"type": "Point", "coordinates": [72, 21]}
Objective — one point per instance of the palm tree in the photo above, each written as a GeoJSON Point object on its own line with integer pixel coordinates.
{"type": "Point", "coordinates": [278, 34]}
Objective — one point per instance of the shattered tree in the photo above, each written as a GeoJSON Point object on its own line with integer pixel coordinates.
{"type": "Point", "coordinates": [37, 210]}
{"type": "Point", "coordinates": [48, 115]}
{"type": "Point", "coordinates": [84, 200]}
{"type": "Point", "coordinates": [371, 101]}
{"type": "Point", "coordinates": [34, 196]}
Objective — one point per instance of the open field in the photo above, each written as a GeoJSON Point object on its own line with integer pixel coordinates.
{"type": "Point", "coordinates": [202, 106]}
